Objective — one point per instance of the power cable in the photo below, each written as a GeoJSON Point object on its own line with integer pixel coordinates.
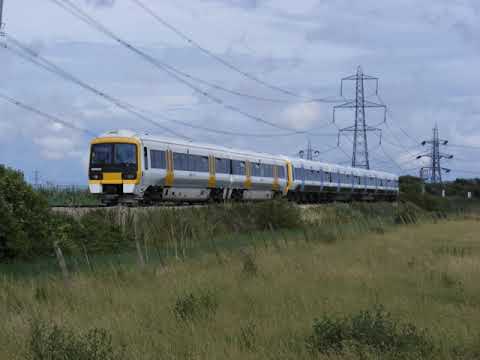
{"type": "Point", "coordinates": [52, 118]}
{"type": "Point", "coordinates": [220, 60]}
{"type": "Point", "coordinates": [412, 138]}
{"type": "Point", "coordinates": [174, 72]}
{"type": "Point", "coordinates": [81, 15]}
{"type": "Point", "coordinates": [464, 146]}
{"type": "Point", "coordinates": [36, 59]}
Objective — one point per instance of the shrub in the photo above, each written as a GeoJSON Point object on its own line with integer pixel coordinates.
{"type": "Point", "coordinates": [372, 329]}
{"type": "Point", "coordinates": [192, 307]}
{"type": "Point", "coordinates": [24, 217]}
{"type": "Point", "coordinates": [56, 343]}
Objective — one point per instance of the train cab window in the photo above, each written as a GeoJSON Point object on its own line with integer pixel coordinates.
{"type": "Point", "coordinates": [102, 154]}
{"type": "Point", "coordinates": [145, 157]}
{"type": "Point", "coordinates": [125, 154]}
{"type": "Point", "coordinates": [198, 163]}
{"type": "Point", "coordinates": [158, 159]}
{"type": "Point", "coordinates": [180, 161]}
{"type": "Point", "coordinates": [238, 167]}
{"type": "Point", "coordinates": [222, 166]}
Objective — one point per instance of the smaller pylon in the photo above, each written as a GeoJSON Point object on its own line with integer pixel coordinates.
{"type": "Point", "coordinates": [309, 153]}
{"type": "Point", "coordinates": [433, 172]}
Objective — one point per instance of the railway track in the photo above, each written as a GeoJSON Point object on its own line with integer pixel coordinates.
{"type": "Point", "coordinates": [82, 209]}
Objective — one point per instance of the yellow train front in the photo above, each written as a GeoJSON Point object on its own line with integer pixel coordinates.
{"type": "Point", "coordinates": [115, 169]}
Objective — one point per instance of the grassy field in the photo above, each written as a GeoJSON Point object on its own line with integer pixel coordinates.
{"type": "Point", "coordinates": [408, 292]}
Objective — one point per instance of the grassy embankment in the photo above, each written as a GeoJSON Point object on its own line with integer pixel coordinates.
{"type": "Point", "coordinates": [378, 291]}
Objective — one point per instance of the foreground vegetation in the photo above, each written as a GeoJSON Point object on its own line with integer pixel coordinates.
{"type": "Point", "coordinates": [402, 293]}
{"type": "Point", "coordinates": [251, 281]}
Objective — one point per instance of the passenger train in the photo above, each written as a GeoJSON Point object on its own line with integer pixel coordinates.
{"type": "Point", "coordinates": [130, 168]}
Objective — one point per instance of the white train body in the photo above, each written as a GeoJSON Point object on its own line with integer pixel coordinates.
{"type": "Point", "coordinates": [128, 167]}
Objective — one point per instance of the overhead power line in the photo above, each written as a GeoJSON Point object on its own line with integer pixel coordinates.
{"type": "Point", "coordinates": [52, 118]}
{"type": "Point", "coordinates": [33, 57]}
{"type": "Point", "coordinates": [406, 133]}
{"type": "Point", "coordinates": [168, 69]}
{"type": "Point", "coordinates": [21, 50]}
{"type": "Point", "coordinates": [220, 60]}
{"type": "Point", "coordinates": [464, 146]}
{"type": "Point", "coordinates": [171, 70]}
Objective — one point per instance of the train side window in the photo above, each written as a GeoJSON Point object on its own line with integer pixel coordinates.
{"type": "Point", "coordinates": [238, 167]}
{"type": "Point", "coordinates": [222, 166]}
{"type": "Point", "coordinates": [327, 177]}
{"type": "Point", "coordinates": [256, 170]}
{"type": "Point", "coordinates": [180, 161]}
{"type": "Point", "coordinates": [158, 159]}
{"type": "Point", "coordinates": [281, 172]}
{"type": "Point", "coordinates": [145, 157]}
{"type": "Point", "coordinates": [198, 163]}
{"type": "Point", "coordinates": [334, 178]}
{"type": "Point", "coordinates": [267, 171]}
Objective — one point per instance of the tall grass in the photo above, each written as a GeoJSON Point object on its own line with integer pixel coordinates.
{"type": "Point", "coordinates": [102, 237]}
{"type": "Point", "coordinates": [400, 294]}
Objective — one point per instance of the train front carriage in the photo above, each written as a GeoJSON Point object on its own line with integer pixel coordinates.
{"type": "Point", "coordinates": [115, 168]}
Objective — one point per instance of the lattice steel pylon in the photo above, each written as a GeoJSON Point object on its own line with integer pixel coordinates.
{"type": "Point", "coordinates": [309, 153]}
{"type": "Point", "coordinates": [360, 155]}
{"type": "Point", "coordinates": [433, 172]}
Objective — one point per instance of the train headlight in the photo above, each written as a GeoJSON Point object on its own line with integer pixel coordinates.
{"type": "Point", "coordinates": [96, 176]}
{"type": "Point", "coordinates": [129, 176]}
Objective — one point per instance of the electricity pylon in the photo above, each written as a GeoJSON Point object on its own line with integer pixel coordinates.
{"type": "Point", "coordinates": [309, 153]}
{"type": "Point", "coordinates": [433, 172]}
{"type": "Point", "coordinates": [360, 155]}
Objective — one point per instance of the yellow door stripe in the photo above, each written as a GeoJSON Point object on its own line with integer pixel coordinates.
{"type": "Point", "coordinates": [212, 181]}
{"type": "Point", "coordinates": [248, 173]}
{"type": "Point", "coordinates": [170, 171]}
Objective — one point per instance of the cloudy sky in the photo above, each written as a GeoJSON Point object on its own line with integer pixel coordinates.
{"type": "Point", "coordinates": [425, 53]}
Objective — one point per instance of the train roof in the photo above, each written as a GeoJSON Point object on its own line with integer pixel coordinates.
{"type": "Point", "coordinates": [249, 153]}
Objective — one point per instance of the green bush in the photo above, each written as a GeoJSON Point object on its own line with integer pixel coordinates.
{"type": "Point", "coordinates": [372, 331]}
{"type": "Point", "coordinates": [24, 218]}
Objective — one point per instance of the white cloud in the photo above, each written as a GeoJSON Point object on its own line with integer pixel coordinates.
{"type": "Point", "coordinates": [302, 116]}
{"type": "Point", "coordinates": [58, 148]}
